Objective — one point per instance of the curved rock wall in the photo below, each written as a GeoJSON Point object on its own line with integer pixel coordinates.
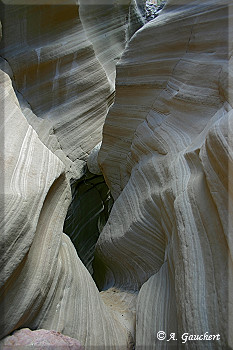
{"type": "Point", "coordinates": [63, 91]}
{"type": "Point", "coordinates": [43, 282]}
{"type": "Point", "coordinates": [166, 156]}
{"type": "Point", "coordinates": [56, 71]}
{"type": "Point", "coordinates": [164, 259]}
{"type": "Point", "coordinates": [108, 25]}
{"type": "Point", "coordinates": [62, 76]}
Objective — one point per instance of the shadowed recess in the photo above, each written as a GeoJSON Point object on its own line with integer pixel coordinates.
{"type": "Point", "coordinates": [87, 215]}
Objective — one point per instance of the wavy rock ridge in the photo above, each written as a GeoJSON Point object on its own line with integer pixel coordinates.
{"type": "Point", "coordinates": [166, 155]}
{"type": "Point", "coordinates": [43, 282]}
{"type": "Point", "coordinates": [163, 261]}
{"type": "Point", "coordinates": [57, 71]}
{"type": "Point", "coordinates": [62, 93]}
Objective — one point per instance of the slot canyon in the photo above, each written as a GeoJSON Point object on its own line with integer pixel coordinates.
{"type": "Point", "coordinates": [116, 174]}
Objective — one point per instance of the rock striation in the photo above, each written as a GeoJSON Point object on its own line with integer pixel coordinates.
{"type": "Point", "coordinates": [163, 261]}
{"type": "Point", "coordinates": [58, 75]}
{"type": "Point", "coordinates": [62, 59]}
{"type": "Point", "coordinates": [108, 25]}
{"type": "Point", "coordinates": [61, 93]}
{"type": "Point", "coordinates": [44, 285]}
{"type": "Point", "coordinates": [166, 156]}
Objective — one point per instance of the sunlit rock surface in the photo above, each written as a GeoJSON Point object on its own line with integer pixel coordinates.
{"type": "Point", "coordinates": [63, 62]}
{"type": "Point", "coordinates": [163, 261]}
{"type": "Point", "coordinates": [167, 158]}
{"type": "Point", "coordinates": [49, 126]}
{"type": "Point", "coordinates": [109, 25]}
{"type": "Point", "coordinates": [43, 282]}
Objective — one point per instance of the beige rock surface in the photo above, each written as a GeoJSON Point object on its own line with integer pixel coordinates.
{"type": "Point", "coordinates": [63, 91]}
{"type": "Point", "coordinates": [43, 282]}
{"type": "Point", "coordinates": [166, 156]}
{"type": "Point", "coordinates": [109, 25]}
{"type": "Point", "coordinates": [165, 254]}
{"type": "Point", "coordinates": [59, 73]}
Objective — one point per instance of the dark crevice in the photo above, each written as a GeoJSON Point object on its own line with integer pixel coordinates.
{"type": "Point", "coordinates": [88, 213]}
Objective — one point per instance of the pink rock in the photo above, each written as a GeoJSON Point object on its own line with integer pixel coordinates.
{"type": "Point", "coordinates": [39, 340]}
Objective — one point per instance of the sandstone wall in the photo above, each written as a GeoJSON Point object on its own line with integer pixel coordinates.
{"type": "Point", "coordinates": [43, 282]}
{"type": "Point", "coordinates": [62, 59]}
{"type": "Point", "coordinates": [163, 261]}
{"type": "Point", "coordinates": [167, 158]}
{"type": "Point", "coordinates": [50, 122]}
